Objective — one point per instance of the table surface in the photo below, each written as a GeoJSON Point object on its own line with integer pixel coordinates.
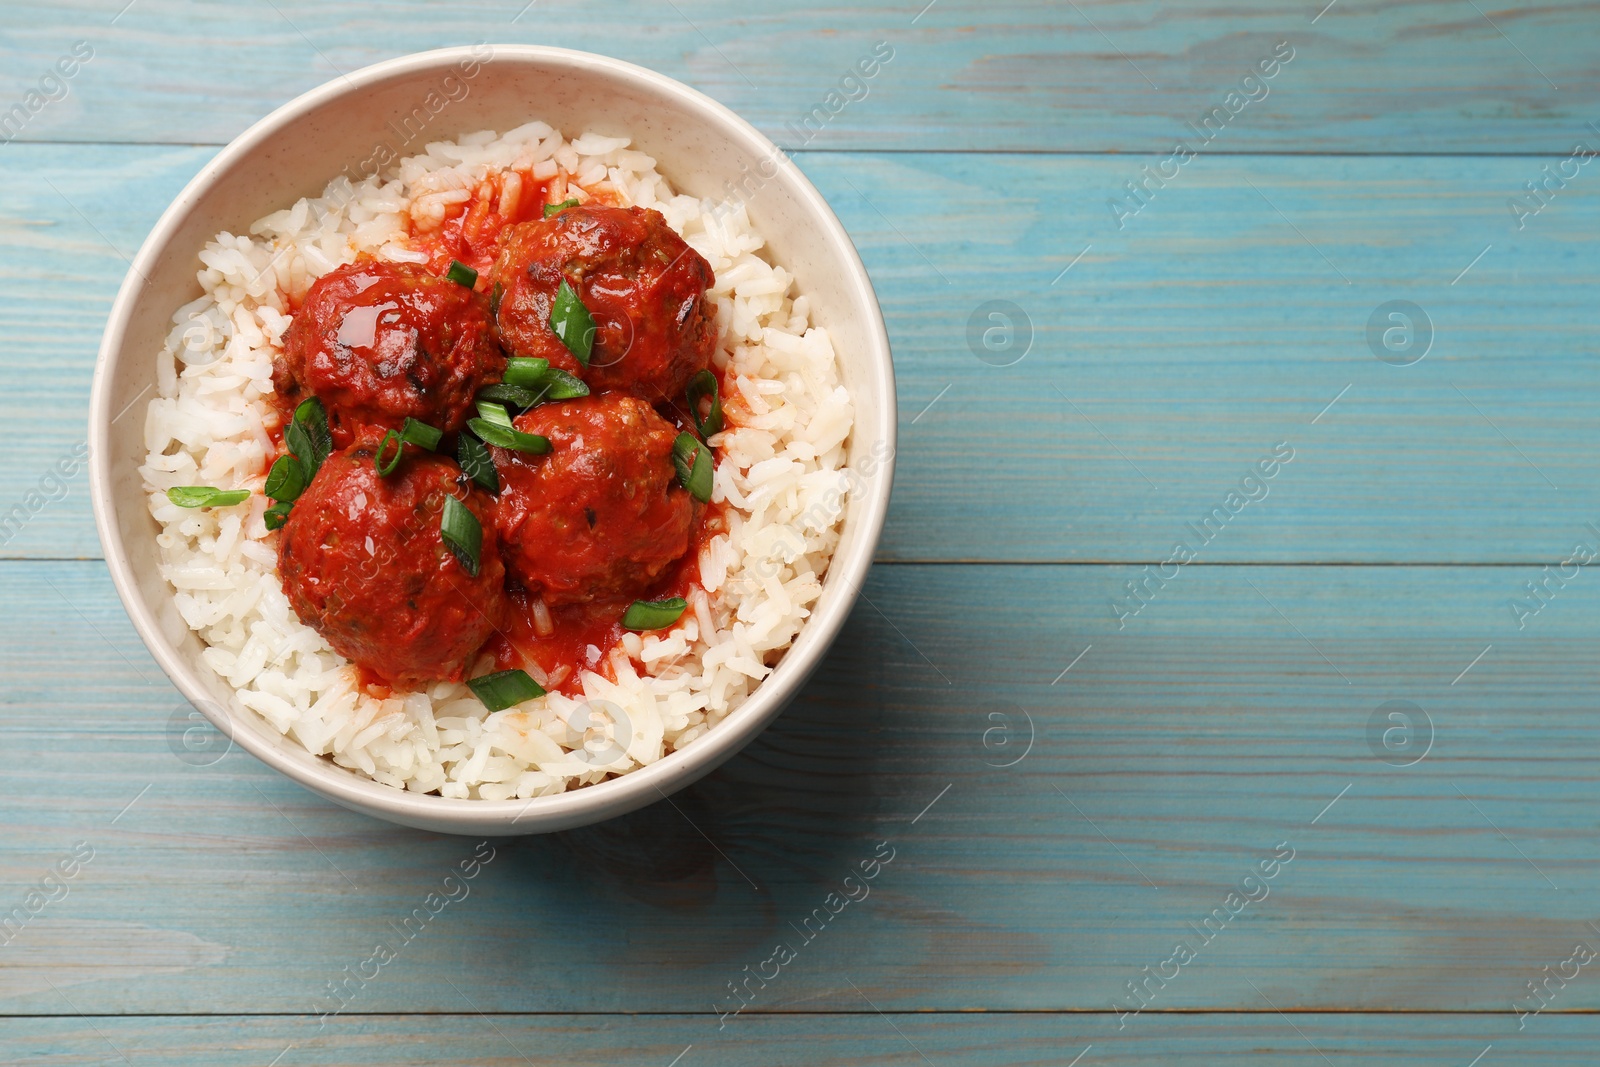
{"type": "Point", "coordinates": [1351, 685]}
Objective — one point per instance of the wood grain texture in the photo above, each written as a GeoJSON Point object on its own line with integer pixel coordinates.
{"type": "Point", "coordinates": [1256, 1039]}
{"type": "Point", "coordinates": [1163, 365]}
{"type": "Point", "coordinates": [1027, 75]}
{"type": "Point", "coordinates": [1230, 717]}
{"type": "Point", "coordinates": [1067, 793]}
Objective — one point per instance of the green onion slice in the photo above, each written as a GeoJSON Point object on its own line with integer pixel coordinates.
{"type": "Point", "coordinates": [506, 437]}
{"type": "Point", "coordinates": [701, 386]}
{"type": "Point", "coordinates": [543, 381]}
{"type": "Point", "coordinates": [559, 385]}
{"type": "Point", "coordinates": [510, 395]}
{"type": "Point", "coordinates": [462, 274]}
{"type": "Point", "coordinates": [654, 614]}
{"type": "Point", "coordinates": [556, 209]}
{"type": "Point", "coordinates": [462, 534]}
{"type": "Point", "coordinates": [528, 373]}
{"type": "Point", "coordinates": [505, 689]}
{"type": "Point", "coordinates": [277, 514]}
{"type": "Point", "coordinates": [387, 468]}
{"type": "Point", "coordinates": [489, 411]}
{"type": "Point", "coordinates": [307, 436]}
{"type": "Point", "coordinates": [572, 323]}
{"type": "Point", "coordinates": [204, 496]}
{"type": "Point", "coordinates": [495, 296]}
{"type": "Point", "coordinates": [693, 460]}
{"type": "Point", "coordinates": [286, 480]}
{"type": "Point", "coordinates": [421, 434]}
{"type": "Point", "coordinates": [477, 462]}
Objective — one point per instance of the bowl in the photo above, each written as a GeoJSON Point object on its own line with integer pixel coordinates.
{"type": "Point", "coordinates": [350, 125]}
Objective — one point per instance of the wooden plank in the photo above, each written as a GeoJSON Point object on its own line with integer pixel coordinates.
{"type": "Point", "coordinates": [1167, 762]}
{"type": "Point", "coordinates": [1027, 75]}
{"type": "Point", "coordinates": [1165, 363]}
{"type": "Point", "coordinates": [824, 1038]}
{"type": "Point", "coordinates": [73, 221]}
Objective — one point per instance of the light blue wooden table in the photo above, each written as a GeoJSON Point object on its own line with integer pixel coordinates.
{"type": "Point", "coordinates": [1072, 773]}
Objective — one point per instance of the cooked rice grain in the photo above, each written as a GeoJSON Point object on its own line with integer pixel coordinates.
{"type": "Point", "coordinates": [779, 468]}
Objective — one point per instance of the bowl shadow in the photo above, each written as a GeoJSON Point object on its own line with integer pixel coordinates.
{"type": "Point", "coordinates": [770, 832]}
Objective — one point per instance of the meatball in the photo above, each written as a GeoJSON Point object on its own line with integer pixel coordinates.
{"type": "Point", "coordinates": [601, 515]}
{"type": "Point", "coordinates": [380, 341]}
{"type": "Point", "coordinates": [644, 287]}
{"type": "Point", "coordinates": [363, 563]}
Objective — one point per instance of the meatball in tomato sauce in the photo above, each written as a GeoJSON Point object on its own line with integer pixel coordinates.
{"type": "Point", "coordinates": [364, 564]}
{"type": "Point", "coordinates": [644, 287]}
{"type": "Point", "coordinates": [378, 342]}
{"type": "Point", "coordinates": [601, 515]}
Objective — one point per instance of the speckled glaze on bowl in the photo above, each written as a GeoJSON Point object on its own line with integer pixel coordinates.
{"type": "Point", "coordinates": [348, 126]}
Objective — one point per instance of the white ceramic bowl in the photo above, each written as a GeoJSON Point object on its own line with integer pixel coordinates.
{"type": "Point", "coordinates": [700, 147]}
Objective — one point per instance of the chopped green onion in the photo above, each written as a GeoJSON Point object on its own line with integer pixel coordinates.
{"type": "Point", "coordinates": [528, 373]}
{"type": "Point", "coordinates": [559, 385]}
{"type": "Point", "coordinates": [286, 480]}
{"type": "Point", "coordinates": [488, 411]}
{"type": "Point", "coordinates": [204, 496]}
{"type": "Point", "coordinates": [701, 386]}
{"type": "Point", "coordinates": [505, 689]}
{"type": "Point", "coordinates": [386, 469]}
{"type": "Point", "coordinates": [506, 437]}
{"type": "Point", "coordinates": [277, 514]}
{"type": "Point", "coordinates": [421, 434]}
{"type": "Point", "coordinates": [654, 614]}
{"type": "Point", "coordinates": [542, 380]}
{"type": "Point", "coordinates": [572, 323]}
{"type": "Point", "coordinates": [462, 534]}
{"type": "Point", "coordinates": [462, 274]}
{"type": "Point", "coordinates": [693, 460]}
{"type": "Point", "coordinates": [308, 437]}
{"type": "Point", "coordinates": [510, 395]}
{"type": "Point", "coordinates": [556, 209]}
{"type": "Point", "coordinates": [477, 462]}
{"type": "Point", "coordinates": [495, 296]}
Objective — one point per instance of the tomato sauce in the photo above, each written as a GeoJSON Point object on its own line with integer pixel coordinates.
{"type": "Point", "coordinates": [364, 563]}
{"type": "Point", "coordinates": [380, 342]}
{"type": "Point", "coordinates": [575, 637]}
{"type": "Point", "coordinates": [471, 231]}
{"type": "Point", "coordinates": [582, 636]}
{"type": "Point", "coordinates": [644, 287]}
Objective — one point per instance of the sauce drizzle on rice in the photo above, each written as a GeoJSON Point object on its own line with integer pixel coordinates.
{"type": "Point", "coordinates": [759, 560]}
{"type": "Point", "coordinates": [470, 229]}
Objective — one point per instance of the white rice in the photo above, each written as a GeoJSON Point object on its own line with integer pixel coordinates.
{"type": "Point", "coordinates": [779, 469]}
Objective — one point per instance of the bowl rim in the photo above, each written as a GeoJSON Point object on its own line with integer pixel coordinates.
{"type": "Point", "coordinates": [591, 802]}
